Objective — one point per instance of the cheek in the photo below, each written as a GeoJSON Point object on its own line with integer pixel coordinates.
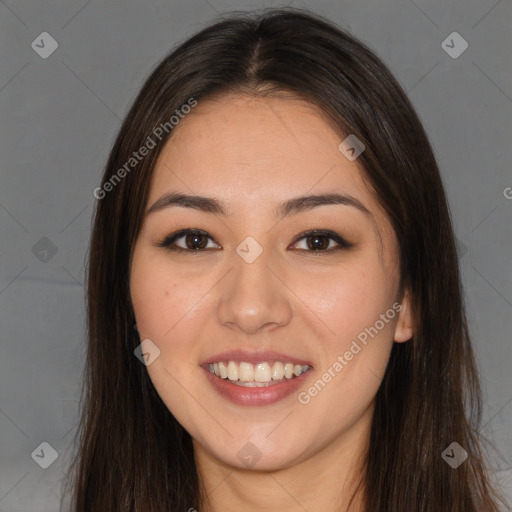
{"type": "Point", "coordinates": [171, 310]}
{"type": "Point", "coordinates": [348, 300]}
{"type": "Point", "coordinates": [160, 298]}
{"type": "Point", "coordinates": [166, 310]}
{"type": "Point", "coordinates": [356, 308]}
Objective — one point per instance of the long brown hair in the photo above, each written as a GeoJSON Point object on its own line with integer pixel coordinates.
{"type": "Point", "coordinates": [132, 455]}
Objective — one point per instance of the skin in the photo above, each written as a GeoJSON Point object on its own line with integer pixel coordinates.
{"type": "Point", "coordinates": [252, 154]}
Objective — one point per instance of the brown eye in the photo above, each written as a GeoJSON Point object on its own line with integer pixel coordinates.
{"type": "Point", "coordinates": [316, 243]}
{"type": "Point", "coordinates": [189, 240]}
{"type": "Point", "coordinates": [194, 241]}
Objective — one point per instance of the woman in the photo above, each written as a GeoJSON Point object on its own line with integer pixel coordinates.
{"type": "Point", "coordinates": [274, 301]}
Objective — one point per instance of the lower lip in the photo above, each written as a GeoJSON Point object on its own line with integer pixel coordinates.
{"type": "Point", "coordinates": [256, 396]}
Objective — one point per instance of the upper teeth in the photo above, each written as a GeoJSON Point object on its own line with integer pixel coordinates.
{"type": "Point", "coordinates": [261, 372]}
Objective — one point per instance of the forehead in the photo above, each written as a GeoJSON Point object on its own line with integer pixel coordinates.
{"type": "Point", "coordinates": [256, 147]}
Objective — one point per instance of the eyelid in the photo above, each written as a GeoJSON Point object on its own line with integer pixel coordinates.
{"type": "Point", "coordinates": [342, 242]}
{"type": "Point", "coordinates": [167, 242]}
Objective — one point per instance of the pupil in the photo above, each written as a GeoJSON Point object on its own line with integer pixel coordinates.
{"type": "Point", "coordinates": [195, 241]}
{"type": "Point", "coordinates": [317, 242]}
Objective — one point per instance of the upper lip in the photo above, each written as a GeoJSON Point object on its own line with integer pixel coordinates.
{"type": "Point", "coordinates": [254, 357]}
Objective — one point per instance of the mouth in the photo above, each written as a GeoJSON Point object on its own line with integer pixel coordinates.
{"type": "Point", "coordinates": [262, 374]}
{"type": "Point", "coordinates": [255, 379]}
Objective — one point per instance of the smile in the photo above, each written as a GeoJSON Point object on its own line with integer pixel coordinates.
{"type": "Point", "coordinates": [256, 375]}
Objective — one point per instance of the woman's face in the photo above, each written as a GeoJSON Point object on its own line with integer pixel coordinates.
{"type": "Point", "coordinates": [252, 295]}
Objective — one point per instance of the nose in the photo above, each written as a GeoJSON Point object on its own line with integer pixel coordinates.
{"type": "Point", "coordinates": [253, 297]}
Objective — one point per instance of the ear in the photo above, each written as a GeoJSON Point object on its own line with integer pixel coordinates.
{"type": "Point", "coordinates": [404, 325]}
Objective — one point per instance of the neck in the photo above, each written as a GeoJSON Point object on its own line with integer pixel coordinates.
{"type": "Point", "coordinates": [326, 480]}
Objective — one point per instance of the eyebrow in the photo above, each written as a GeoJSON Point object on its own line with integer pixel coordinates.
{"type": "Point", "coordinates": [289, 207]}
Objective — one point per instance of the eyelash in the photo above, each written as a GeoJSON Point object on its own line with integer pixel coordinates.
{"type": "Point", "coordinates": [169, 240]}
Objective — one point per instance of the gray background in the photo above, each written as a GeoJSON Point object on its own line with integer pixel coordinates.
{"type": "Point", "coordinates": [59, 116]}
